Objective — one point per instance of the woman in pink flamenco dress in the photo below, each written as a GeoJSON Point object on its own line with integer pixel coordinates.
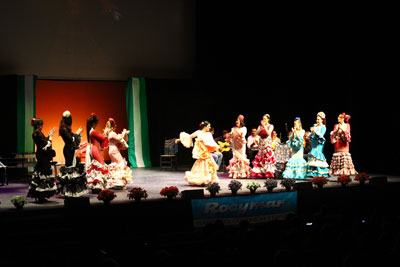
{"type": "Point", "coordinates": [239, 165]}
{"type": "Point", "coordinates": [96, 169]}
{"type": "Point", "coordinates": [204, 170]}
{"type": "Point", "coordinates": [119, 171]}
{"type": "Point", "coordinates": [264, 162]}
{"type": "Point", "coordinates": [341, 163]}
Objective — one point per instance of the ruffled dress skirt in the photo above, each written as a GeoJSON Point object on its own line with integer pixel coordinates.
{"type": "Point", "coordinates": [120, 175]}
{"type": "Point", "coordinates": [264, 162]}
{"type": "Point", "coordinates": [204, 170]}
{"type": "Point", "coordinates": [296, 168]}
{"type": "Point", "coordinates": [97, 176]}
{"type": "Point", "coordinates": [239, 166]}
{"type": "Point", "coordinates": [316, 165]}
{"type": "Point", "coordinates": [42, 186]}
{"type": "Point", "coordinates": [72, 181]}
{"type": "Point", "coordinates": [342, 164]}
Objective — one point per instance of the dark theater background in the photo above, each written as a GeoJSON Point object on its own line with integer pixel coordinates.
{"type": "Point", "coordinates": [214, 60]}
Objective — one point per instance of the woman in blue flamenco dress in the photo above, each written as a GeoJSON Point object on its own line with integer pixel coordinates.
{"type": "Point", "coordinates": [296, 167]}
{"type": "Point", "coordinates": [316, 162]}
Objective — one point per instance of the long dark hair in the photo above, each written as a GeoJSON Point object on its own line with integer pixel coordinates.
{"type": "Point", "coordinates": [65, 123]}
{"type": "Point", "coordinates": [36, 123]}
{"type": "Point", "coordinates": [90, 123]}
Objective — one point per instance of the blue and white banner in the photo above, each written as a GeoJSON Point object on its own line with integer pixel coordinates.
{"type": "Point", "coordinates": [232, 210]}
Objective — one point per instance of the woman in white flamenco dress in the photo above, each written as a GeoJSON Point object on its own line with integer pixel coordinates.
{"type": "Point", "coordinates": [239, 165]}
{"type": "Point", "coordinates": [120, 173]}
{"type": "Point", "coordinates": [204, 170]}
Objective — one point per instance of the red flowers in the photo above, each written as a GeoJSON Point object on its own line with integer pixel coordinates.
{"type": "Point", "coordinates": [344, 179]}
{"type": "Point", "coordinates": [319, 180]}
{"type": "Point", "coordinates": [137, 192]}
{"type": "Point", "coordinates": [361, 177]}
{"type": "Point", "coordinates": [106, 195]}
{"type": "Point", "coordinates": [171, 191]}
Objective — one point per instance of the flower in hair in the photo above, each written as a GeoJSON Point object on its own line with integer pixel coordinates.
{"type": "Point", "coordinates": [32, 121]}
{"type": "Point", "coordinates": [321, 114]}
{"type": "Point", "coordinates": [241, 117]}
{"type": "Point", "coordinates": [66, 114]}
{"type": "Point", "coordinates": [93, 114]}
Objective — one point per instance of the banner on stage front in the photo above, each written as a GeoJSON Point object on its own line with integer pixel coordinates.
{"type": "Point", "coordinates": [232, 210]}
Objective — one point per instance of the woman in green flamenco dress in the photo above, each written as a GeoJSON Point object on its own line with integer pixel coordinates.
{"type": "Point", "coordinates": [296, 167]}
{"type": "Point", "coordinates": [316, 162]}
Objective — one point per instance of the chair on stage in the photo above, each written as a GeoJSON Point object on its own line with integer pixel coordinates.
{"type": "Point", "coordinates": [169, 159]}
{"type": "Point", "coordinates": [3, 174]}
{"type": "Point", "coordinates": [16, 164]}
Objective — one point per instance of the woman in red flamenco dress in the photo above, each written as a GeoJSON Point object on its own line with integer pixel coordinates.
{"type": "Point", "coordinates": [96, 169]}
{"type": "Point", "coordinates": [264, 162]}
{"type": "Point", "coordinates": [342, 163]}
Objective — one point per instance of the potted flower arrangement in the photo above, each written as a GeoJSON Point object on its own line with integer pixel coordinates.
{"type": "Point", "coordinates": [170, 192]}
{"type": "Point", "coordinates": [270, 184]}
{"type": "Point", "coordinates": [19, 201]}
{"type": "Point", "coordinates": [252, 186]}
{"type": "Point", "coordinates": [234, 186]}
{"type": "Point", "coordinates": [288, 183]}
{"type": "Point", "coordinates": [106, 195]}
{"type": "Point", "coordinates": [137, 193]}
{"type": "Point", "coordinates": [319, 181]}
{"type": "Point", "coordinates": [344, 180]}
{"type": "Point", "coordinates": [96, 186]}
{"type": "Point", "coordinates": [213, 188]}
{"type": "Point", "coordinates": [361, 178]}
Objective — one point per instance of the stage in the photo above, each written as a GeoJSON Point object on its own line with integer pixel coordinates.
{"type": "Point", "coordinates": [126, 229]}
{"type": "Point", "coordinates": [153, 180]}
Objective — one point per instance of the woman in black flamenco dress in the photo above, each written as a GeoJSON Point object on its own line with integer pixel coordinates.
{"type": "Point", "coordinates": [43, 184]}
{"type": "Point", "coordinates": [72, 177]}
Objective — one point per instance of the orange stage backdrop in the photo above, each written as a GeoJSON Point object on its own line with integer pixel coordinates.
{"type": "Point", "coordinates": [81, 98]}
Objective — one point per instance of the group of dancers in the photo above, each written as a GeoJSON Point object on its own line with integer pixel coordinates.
{"type": "Point", "coordinates": [76, 178]}
{"type": "Point", "coordinates": [265, 164]}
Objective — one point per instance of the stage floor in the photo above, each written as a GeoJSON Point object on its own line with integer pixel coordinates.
{"type": "Point", "coordinates": [153, 180]}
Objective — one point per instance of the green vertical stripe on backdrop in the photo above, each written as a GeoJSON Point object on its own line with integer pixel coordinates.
{"type": "Point", "coordinates": [144, 123]}
{"type": "Point", "coordinates": [30, 82]}
{"type": "Point", "coordinates": [131, 136]}
{"type": "Point", "coordinates": [138, 151]}
{"type": "Point", "coordinates": [20, 114]}
{"type": "Point", "coordinates": [137, 122]}
{"type": "Point", "coordinates": [34, 101]}
{"type": "Point", "coordinates": [26, 109]}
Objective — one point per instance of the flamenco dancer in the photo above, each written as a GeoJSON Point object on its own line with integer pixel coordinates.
{"type": "Point", "coordinates": [72, 177]}
{"type": "Point", "coordinates": [96, 169]}
{"type": "Point", "coordinates": [239, 164]}
{"type": "Point", "coordinates": [119, 171]}
{"type": "Point", "coordinates": [204, 170]}
{"type": "Point", "coordinates": [264, 162]}
{"type": "Point", "coordinates": [341, 163]}
{"type": "Point", "coordinates": [316, 161]}
{"type": "Point", "coordinates": [296, 167]}
{"type": "Point", "coordinates": [43, 184]}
